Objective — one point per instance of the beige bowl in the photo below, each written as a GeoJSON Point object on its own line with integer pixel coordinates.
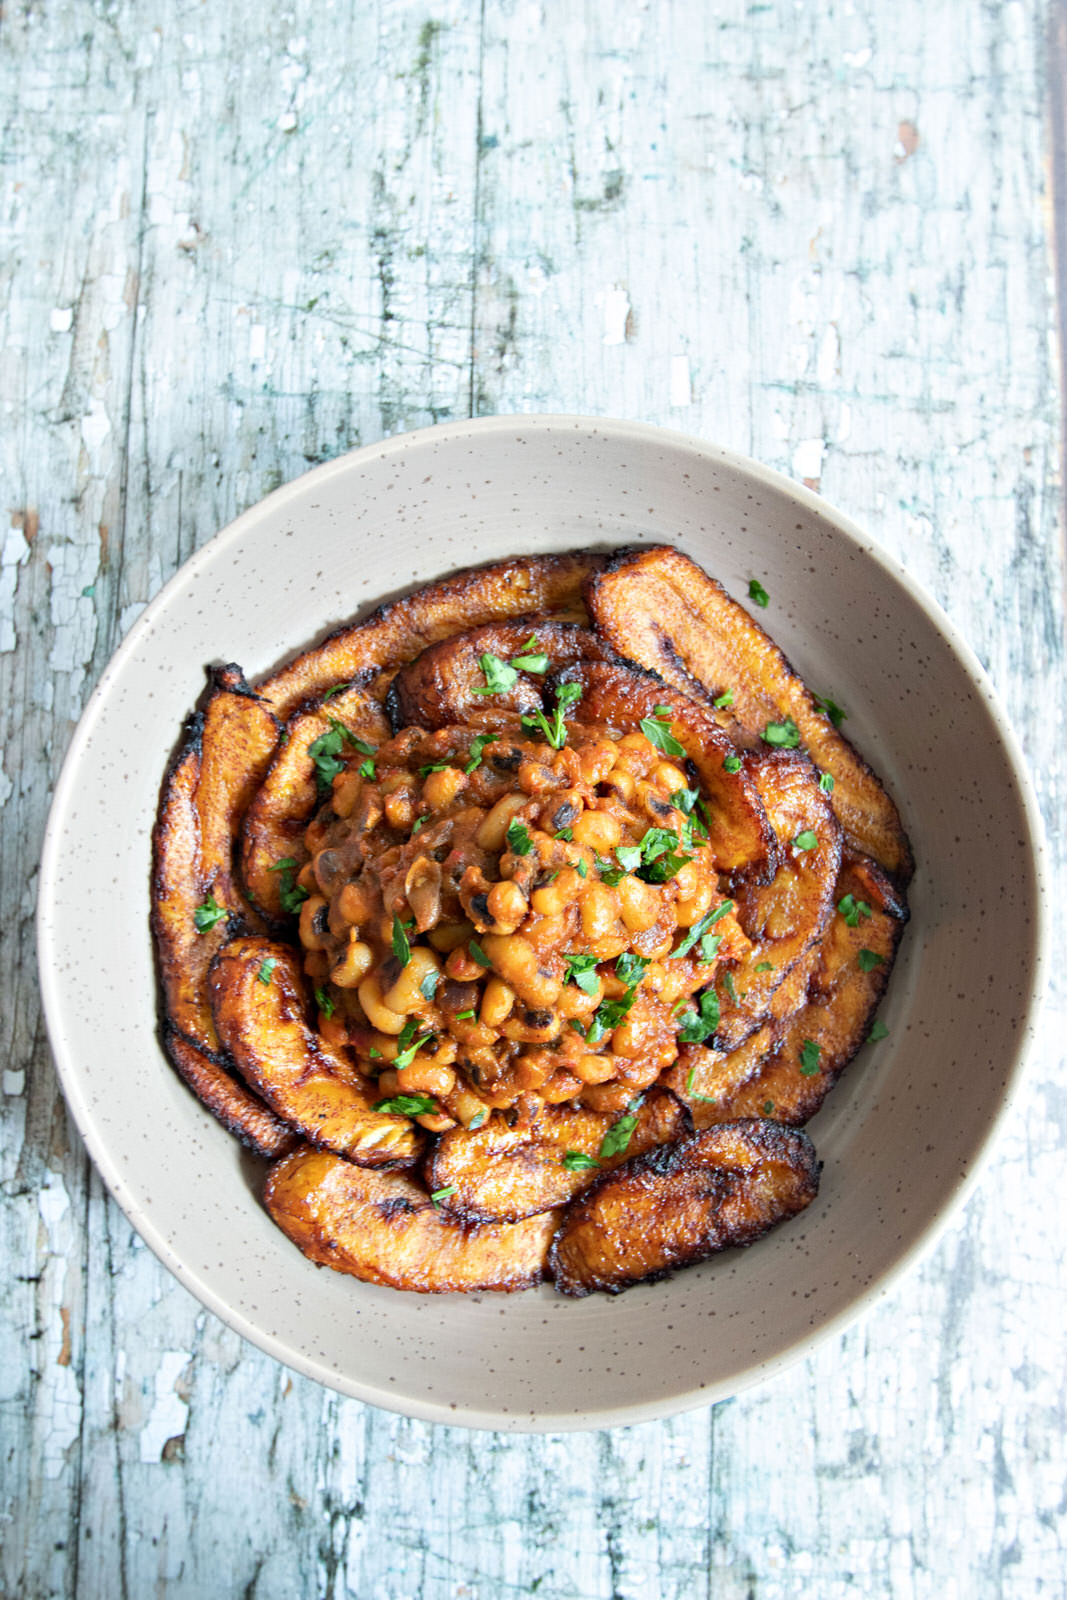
{"type": "Point", "coordinates": [902, 1136]}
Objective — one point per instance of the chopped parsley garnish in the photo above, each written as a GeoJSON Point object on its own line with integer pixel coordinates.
{"type": "Point", "coordinates": [581, 867]}
{"type": "Point", "coordinates": [499, 677]}
{"type": "Point", "coordinates": [608, 1015]}
{"type": "Point", "coordinates": [578, 1161]}
{"type": "Point", "coordinates": [631, 968]}
{"type": "Point", "coordinates": [786, 735]}
{"type": "Point", "coordinates": [477, 746]}
{"type": "Point", "coordinates": [401, 945]}
{"type": "Point", "coordinates": [723, 700]}
{"type": "Point", "coordinates": [609, 872]}
{"type": "Point", "coordinates": [764, 966]}
{"type": "Point", "coordinates": [852, 910]}
{"type": "Point", "coordinates": [530, 658]}
{"type": "Point", "coordinates": [326, 749]}
{"type": "Point", "coordinates": [366, 768]}
{"type": "Point", "coordinates": [692, 1093]}
{"type": "Point", "coordinates": [518, 837]}
{"type": "Point", "coordinates": [826, 783]}
{"type": "Point", "coordinates": [206, 916]}
{"type": "Point", "coordinates": [433, 766]}
{"type": "Point", "coordinates": [566, 834]}
{"type": "Point", "coordinates": [757, 592]}
{"type": "Point", "coordinates": [699, 929]}
{"type": "Point", "coordinates": [619, 1134]}
{"type": "Point", "coordinates": [732, 764]}
{"type": "Point", "coordinates": [809, 1058]}
{"type": "Point", "coordinates": [629, 856]}
{"type": "Point", "coordinates": [768, 1107]}
{"type": "Point", "coordinates": [685, 799]}
{"type": "Point", "coordinates": [806, 840]}
{"type": "Point", "coordinates": [410, 1042]}
{"type": "Point", "coordinates": [657, 730]}
{"type": "Point", "coordinates": [428, 986]}
{"type": "Point", "coordinates": [324, 1003]}
{"type": "Point", "coordinates": [265, 971]}
{"type": "Point", "coordinates": [696, 1026]}
{"type": "Point", "coordinates": [464, 1016]}
{"type": "Point", "coordinates": [728, 985]}
{"type": "Point", "coordinates": [555, 731]}
{"type": "Point", "coordinates": [878, 1031]}
{"type": "Point", "coordinates": [408, 1105]}
{"type": "Point", "coordinates": [869, 959]}
{"type": "Point", "coordinates": [831, 708]}
{"type": "Point", "coordinates": [291, 894]}
{"type": "Point", "coordinates": [443, 1194]}
{"type": "Point", "coordinates": [479, 954]}
{"type": "Point", "coordinates": [419, 821]}
{"type": "Point", "coordinates": [581, 970]}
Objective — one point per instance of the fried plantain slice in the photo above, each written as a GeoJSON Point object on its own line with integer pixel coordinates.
{"type": "Point", "coordinates": [204, 794]}
{"type": "Point", "coordinates": [657, 606]}
{"type": "Point", "coordinates": [681, 1203]}
{"type": "Point", "coordinates": [504, 1174]}
{"type": "Point", "coordinates": [274, 824]}
{"type": "Point", "coordinates": [623, 695]}
{"type": "Point", "coordinates": [240, 1111]}
{"type": "Point", "coordinates": [445, 684]}
{"type": "Point", "coordinates": [382, 1227]}
{"type": "Point", "coordinates": [370, 651]}
{"type": "Point", "coordinates": [259, 1004]}
{"type": "Point", "coordinates": [816, 1044]}
{"type": "Point", "coordinates": [785, 917]}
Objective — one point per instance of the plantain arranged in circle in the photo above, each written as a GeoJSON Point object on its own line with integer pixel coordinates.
{"type": "Point", "coordinates": [522, 926]}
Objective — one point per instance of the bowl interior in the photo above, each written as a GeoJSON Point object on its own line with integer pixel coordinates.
{"type": "Point", "coordinates": [900, 1135]}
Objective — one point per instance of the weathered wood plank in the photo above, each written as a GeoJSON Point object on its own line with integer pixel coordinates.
{"type": "Point", "coordinates": [245, 241]}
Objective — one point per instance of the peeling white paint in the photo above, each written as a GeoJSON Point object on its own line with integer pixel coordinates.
{"type": "Point", "coordinates": [74, 624]}
{"type": "Point", "coordinates": [61, 319]}
{"type": "Point", "coordinates": [169, 1412]}
{"type": "Point", "coordinates": [16, 549]}
{"type": "Point", "coordinates": [14, 1080]}
{"type": "Point", "coordinates": [615, 304]}
{"type": "Point", "coordinates": [807, 458]}
{"type": "Point", "coordinates": [257, 341]}
{"type": "Point", "coordinates": [681, 382]}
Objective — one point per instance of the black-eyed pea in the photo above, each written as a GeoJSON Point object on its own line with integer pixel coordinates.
{"type": "Point", "coordinates": [562, 1085]}
{"type": "Point", "coordinates": [494, 826]}
{"type": "Point", "coordinates": [406, 993]}
{"type": "Point", "coordinates": [518, 963]}
{"type": "Point", "coordinates": [595, 1068]}
{"type": "Point", "coordinates": [354, 904]}
{"type": "Point", "coordinates": [441, 788]}
{"type": "Point", "coordinates": [668, 776]}
{"type": "Point", "coordinates": [388, 1084]}
{"type": "Point", "coordinates": [507, 905]}
{"type": "Point", "coordinates": [639, 903]}
{"type": "Point", "coordinates": [314, 923]}
{"type": "Point", "coordinates": [400, 809]}
{"type": "Point", "coordinates": [347, 788]}
{"type": "Point", "coordinates": [598, 831]}
{"type": "Point", "coordinates": [550, 899]}
{"type": "Point", "coordinates": [621, 784]}
{"type": "Point", "coordinates": [466, 1107]}
{"type": "Point", "coordinates": [497, 1001]}
{"type": "Point", "coordinates": [379, 1015]}
{"type": "Point", "coordinates": [691, 910]}
{"type": "Point", "coordinates": [574, 1002]}
{"type": "Point", "coordinates": [317, 965]}
{"type": "Point", "coordinates": [535, 778]}
{"type": "Point", "coordinates": [436, 1122]}
{"type": "Point", "coordinates": [599, 911]}
{"type": "Point", "coordinates": [306, 877]}
{"type": "Point", "coordinates": [450, 935]}
{"type": "Point", "coordinates": [332, 1028]}
{"type": "Point", "coordinates": [607, 1097]}
{"type": "Point", "coordinates": [596, 760]}
{"type": "Point", "coordinates": [533, 1069]}
{"type": "Point", "coordinates": [462, 966]}
{"type": "Point", "coordinates": [426, 1077]}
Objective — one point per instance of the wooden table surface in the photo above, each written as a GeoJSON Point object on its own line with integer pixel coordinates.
{"type": "Point", "coordinates": [241, 239]}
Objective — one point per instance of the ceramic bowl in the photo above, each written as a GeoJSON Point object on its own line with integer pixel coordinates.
{"type": "Point", "coordinates": [903, 1134]}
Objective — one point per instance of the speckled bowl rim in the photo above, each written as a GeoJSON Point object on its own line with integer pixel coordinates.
{"type": "Point", "coordinates": [883, 1285]}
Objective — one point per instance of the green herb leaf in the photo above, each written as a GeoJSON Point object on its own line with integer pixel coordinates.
{"type": "Point", "coordinates": [291, 895]}
{"type": "Point", "coordinates": [443, 1194]}
{"type": "Point", "coordinates": [366, 769]}
{"type": "Point", "coordinates": [764, 966]}
{"type": "Point", "coordinates": [578, 1161]}
{"type": "Point", "coordinates": [699, 929]}
{"type": "Point", "coordinates": [618, 1136]}
{"type": "Point", "coordinates": [630, 968]}
{"type": "Point", "coordinates": [709, 947]}
{"type": "Point", "coordinates": [477, 746]}
{"type": "Point", "coordinates": [685, 799]}
{"type": "Point", "coordinates": [609, 872]}
{"type": "Point", "coordinates": [479, 954]}
{"type": "Point", "coordinates": [581, 971]}
{"type": "Point", "coordinates": [554, 731]}
{"type": "Point", "coordinates": [806, 840]}
{"type": "Point", "coordinates": [401, 946]}
{"type": "Point", "coordinates": [768, 1107]}
{"type": "Point", "coordinates": [518, 837]}
{"type": "Point", "coordinates": [405, 1057]}
{"type": "Point", "coordinates": [732, 764]}
{"type": "Point", "coordinates": [831, 708]}
{"type": "Point", "coordinates": [785, 735]}
{"type": "Point", "coordinates": [664, 868]}
{"type": "Point", "coordinates": [324, 752]}
{"type": "Point", "coordinates": [657, 730]}
{"type": "Point", "coordinates": [826, 783]}
{"type": "Point", "coordinates": [725, 699]}
{"type": "Point", "coordinates": [629, 856]}
{"type": "Point", "coordinates": [408, 1105]}
{"type": "Point", "coordinates": [265, 971]}
{"type": "Point", "coordinates": [205, 916]}
{"type": "Point", "coordinates": [428, 986]}
{"type": "Point", "coordinates": [852, 910]}
{"type": "Point", "coordinates": [324, 1003]}
{"type": "Point", "coordinates": [566, 834]}
{"type": "Point", "coordinates": [433, 766]}
{"type": "Point", "coordinates": [728, 985]}
{"type": "Point", "coordinates": [878, 1031]}
{"type": "Point", "coordinates": [696, 1026]}
{"type": "Point", "coordinates": [464, 1016]}
{"type": "Point", "coordinates": [530, 658]}
{"type": "Point", "coordinates": [581, 868]}
{"type": "Point", "coordinates": [607, 1016]}
{"type": "Point", "coordinates": [869, 959]}
{"type": "Point", "coordinates": [419, 821]}
{"type": "Point", "coordinates": [757, 592]}
{"type": "Point", "coordinates": [809, 1058]}
{"type": "Point", "coordinates": [499, 677]}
